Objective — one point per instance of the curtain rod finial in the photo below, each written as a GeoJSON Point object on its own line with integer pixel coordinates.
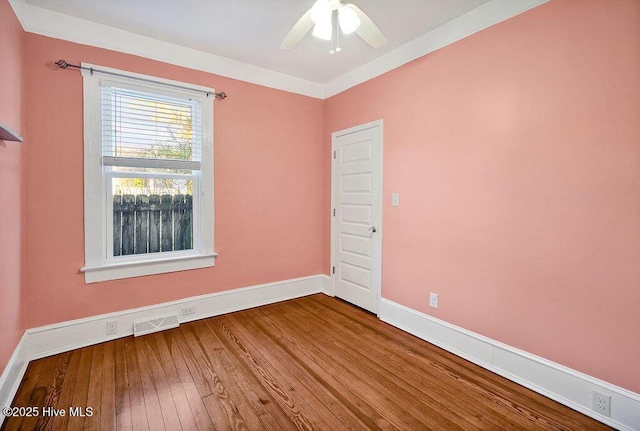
{"type": "Point", "coordinates": [222, 95]}
{"type": "Point", "coordinates": [62, 64]}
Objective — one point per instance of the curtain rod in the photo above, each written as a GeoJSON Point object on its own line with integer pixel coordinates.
{"type": "Point", "coordinates": [63, 65]}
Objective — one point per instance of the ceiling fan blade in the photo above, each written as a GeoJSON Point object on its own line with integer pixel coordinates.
{"type": "Point", "coordinates": [368, 31]}
{"type": "Point", "coordinates": [298, 31]}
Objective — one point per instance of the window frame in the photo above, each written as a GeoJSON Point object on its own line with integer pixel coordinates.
{"type": "Point", "coordinates": [99, 266]}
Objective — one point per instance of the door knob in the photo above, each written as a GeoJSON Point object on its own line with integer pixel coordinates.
{"type": "Point", "coordinates": [373, 229]}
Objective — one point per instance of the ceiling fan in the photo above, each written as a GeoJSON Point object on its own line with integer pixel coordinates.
{"type": "Point", "coordinates": [320, 17]}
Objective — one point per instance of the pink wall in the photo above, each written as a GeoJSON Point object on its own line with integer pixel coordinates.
{"type": "Point", "coordinates": [268, 217]}
{"type": "Point", "coordinates": [516, 153]}
{"type": "Point", "coordinates": [11, 156]}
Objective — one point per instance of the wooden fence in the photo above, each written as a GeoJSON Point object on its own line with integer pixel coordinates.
{"type": "Point", "coordinates": [152, 223]}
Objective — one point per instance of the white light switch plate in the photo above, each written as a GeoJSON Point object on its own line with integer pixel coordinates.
{"type": "Point", "coordinates": [395, 199]}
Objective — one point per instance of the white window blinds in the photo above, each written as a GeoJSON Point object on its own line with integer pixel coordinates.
{"type": "Point", "coordinates": [148, 130]}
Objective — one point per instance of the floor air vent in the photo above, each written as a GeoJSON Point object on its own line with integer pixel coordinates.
{"type": "Point", "coordinates": [157, 324]}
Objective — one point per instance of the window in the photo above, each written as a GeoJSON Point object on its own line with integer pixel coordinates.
{"type": "Point", "coordinates": [148, 173]}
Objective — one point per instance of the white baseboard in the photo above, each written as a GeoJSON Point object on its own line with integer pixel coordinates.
{"type": "Point", "coordinates": [560, 383]}
{"type": "Point", "coordinates": [327, 287]}
{"type": "Point", "coordinates": [62, 337]}
{"type": "Point", "coordinates": [49, 340]}
{"type": "Point", "coordinates": [12, 375]}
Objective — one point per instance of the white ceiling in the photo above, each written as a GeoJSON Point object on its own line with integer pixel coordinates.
{"type": "Point", "coordinates": [251, 31]}
{"type": "Point", "coordinates": [241, 38]}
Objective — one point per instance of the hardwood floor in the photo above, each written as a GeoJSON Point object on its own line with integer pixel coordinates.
{"type": "Point", "coordinates": [314, 363]}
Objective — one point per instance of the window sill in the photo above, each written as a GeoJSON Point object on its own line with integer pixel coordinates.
{"type": "Point", "coordinates": [115, 271]}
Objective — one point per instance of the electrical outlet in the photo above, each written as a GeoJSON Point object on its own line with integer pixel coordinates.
{"type": "Point", "coordinates": [112, 327]}
{"type": "Point", "coordinates": [433, 300]}
{"type": "Point", "coordinates": [187, 311]}
{"type": "Point", "coordinates": [602, 403]}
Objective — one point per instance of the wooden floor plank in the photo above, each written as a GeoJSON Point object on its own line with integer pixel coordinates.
{"type": "Point", "coordinates": [415, 376]}
{"type": "Point", "coordinates": [221, 407]}
{"type": "Point", "coordinates": [297, 393]}
{"type": "Point", "coordinates": [313, 363]}
{"type": "Point", "coordinates": [316, 395]}
{"type": "Point", "coordinates": [254, 402]}
{"type": "Point", "coordinates": [196, 404]}
{"type": "Point", "coordinates": [23, 396]}
{"type": "Point", "coordinates": [36, 400]}
{"type": "Point", "coordinates": [371, 385]}
{"type": "Point", "coordinates": [333, 384]}
{"type": "Point", "coordinates": [162, 383]}
{"type": "Point", "coordinates": [122, 402]}
{"type": "Point", "coordinates": [154, 396]}
{"type": "Point", "coordinates": [108, 392]}
{"type": "Point", "coordinates": [365, 404]}
{"type": "Point", "coordinates": [81, 389]}
{"type": "Point", "coordinates": [168, 372]}
{"type": "Point", "coordinates": [94, 395]}
{"type": "Point", "coordinates": [226, 368]}
{"type": "Point", "coordinates": [47, 392]}
{"type": "Point", "coordinates": [137, 403]}
{"type": "Point", "coordinates": [65, 401]}
{"type": "Point", "coordinates": [408, 375]}
{"type": "Point", "coordinates": [258, 368]}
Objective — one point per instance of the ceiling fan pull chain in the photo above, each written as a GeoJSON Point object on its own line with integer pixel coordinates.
{"type": "Point", "coordinates": [338, 49]}
{"type": "Point", "coordinates": [333, 49]}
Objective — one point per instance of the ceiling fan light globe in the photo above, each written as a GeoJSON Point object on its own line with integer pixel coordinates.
{"type": "Point", "coordinates": [348, 19]}
{"type": "Point", "coordinates": [323, 30]}
{"type": "Point", "coordinates": [321, 12]}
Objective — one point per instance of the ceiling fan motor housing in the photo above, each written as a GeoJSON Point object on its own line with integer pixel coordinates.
{"type": "Point", "coordinates": [320, 18]}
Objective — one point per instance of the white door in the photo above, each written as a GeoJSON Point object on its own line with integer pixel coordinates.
{"type": "Point", "coordinates": [357, 230]}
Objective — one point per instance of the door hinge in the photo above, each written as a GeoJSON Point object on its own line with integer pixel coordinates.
{"type": "Point", "coordinates": [334, 154]}
{"type": "Point", "coordinates": [333, 270]}
{"type": "Point", "coordinates": [334, 212]}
